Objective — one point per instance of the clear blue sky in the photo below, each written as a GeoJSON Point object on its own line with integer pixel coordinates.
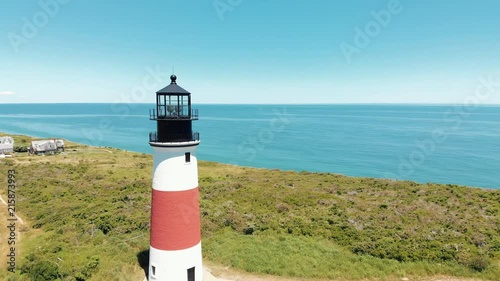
{"type": "Point", "coordinates": [249, 51]}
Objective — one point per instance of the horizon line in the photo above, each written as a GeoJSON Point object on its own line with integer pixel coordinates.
{"type": "Point", "coordinates": [346, 103]}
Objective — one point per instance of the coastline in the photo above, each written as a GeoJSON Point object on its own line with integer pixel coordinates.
{"type": "Point", "coordinates": [264, 168]}
{"type": "Point", "coordinates": [259, 216]}
{"type": "Point", "coordinates": [359, 141]}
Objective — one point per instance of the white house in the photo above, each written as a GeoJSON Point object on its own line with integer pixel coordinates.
{"type": "Point", "coordinates": [46, 146]}
{"type": "Point", "coordinates": [6, 145]}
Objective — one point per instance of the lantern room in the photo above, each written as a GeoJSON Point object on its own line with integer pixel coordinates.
{"type": "Point", "coordinates": [173, 114]}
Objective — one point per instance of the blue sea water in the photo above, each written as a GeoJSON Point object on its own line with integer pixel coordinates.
{"type": "Point", "coordinates": [454, 144]}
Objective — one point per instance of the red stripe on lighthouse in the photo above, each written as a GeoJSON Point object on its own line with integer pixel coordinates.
{"type": "Point", "coordinates": [175, 219]}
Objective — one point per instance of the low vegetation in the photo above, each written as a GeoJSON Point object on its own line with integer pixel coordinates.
{"type": "Point", "coordinates": [87, 215]}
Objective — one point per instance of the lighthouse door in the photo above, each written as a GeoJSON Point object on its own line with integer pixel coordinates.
{"type": "Point", "coordinates": [191, 274]}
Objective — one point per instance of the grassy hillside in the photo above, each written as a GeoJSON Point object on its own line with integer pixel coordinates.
{"type": "Point", "coordinates": [87, 215]}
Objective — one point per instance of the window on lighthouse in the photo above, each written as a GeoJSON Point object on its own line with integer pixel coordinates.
{"type": "Point", "coordinates": [184, 106]}
{"type": "Point", "coordinates": [161, 106]}
{"type": "Point", "coordinates": [187, 157]}
{"type": "Point", "coordinates": [173, 106]}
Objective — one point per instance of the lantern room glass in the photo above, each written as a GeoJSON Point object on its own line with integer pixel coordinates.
{"type": "Point", "coordinates": [173, 106]}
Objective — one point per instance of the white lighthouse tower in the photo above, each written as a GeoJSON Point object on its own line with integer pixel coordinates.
{"type": "Point", "coordinates": [175, 247]}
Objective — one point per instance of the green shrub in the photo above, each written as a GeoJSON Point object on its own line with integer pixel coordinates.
{"type": "Point", "coordinates": [478, 263]}
{"type": "Point", "coordinates": [20, 149]}
{"type": "Point", "coordinates": [43, 271]}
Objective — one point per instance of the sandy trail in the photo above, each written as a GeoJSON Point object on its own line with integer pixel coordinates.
{"type": "Point", "coordinates": [207, 276]}
{"type": "Point", "coordinates": [5, 203]}
{"type": "Point", "coordinates": [4, 246]}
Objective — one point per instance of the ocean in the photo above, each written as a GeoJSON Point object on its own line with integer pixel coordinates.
{"type": "Point", "coordinates": [451, 144]}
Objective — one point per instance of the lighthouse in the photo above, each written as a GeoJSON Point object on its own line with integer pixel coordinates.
{"type": "Point", "coordinates": [175, 244]}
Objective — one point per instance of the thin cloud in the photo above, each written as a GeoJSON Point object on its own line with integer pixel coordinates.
{"type": "Point", "coordinates": [6, 93]}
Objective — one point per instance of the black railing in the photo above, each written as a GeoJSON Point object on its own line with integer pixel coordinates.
{"type": "Point", "coordinates": [153, 137]}
{"type": "Point", "coordinates": [174, 115]}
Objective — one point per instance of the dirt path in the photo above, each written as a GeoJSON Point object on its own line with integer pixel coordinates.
{"type": "Point", "coordinates": [5, 203]}
{"type": "Point", "coordinates": [228, 274]}
{"type": "Point", "coordinates": [207, 276]}
{"type": "Point", "coordinates": [4, 247]}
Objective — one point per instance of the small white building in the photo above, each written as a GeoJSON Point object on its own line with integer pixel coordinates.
{"type": "Point", "coordinates": [46, 146]}
{"type": "Point", "coordinates": [6, 145]}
